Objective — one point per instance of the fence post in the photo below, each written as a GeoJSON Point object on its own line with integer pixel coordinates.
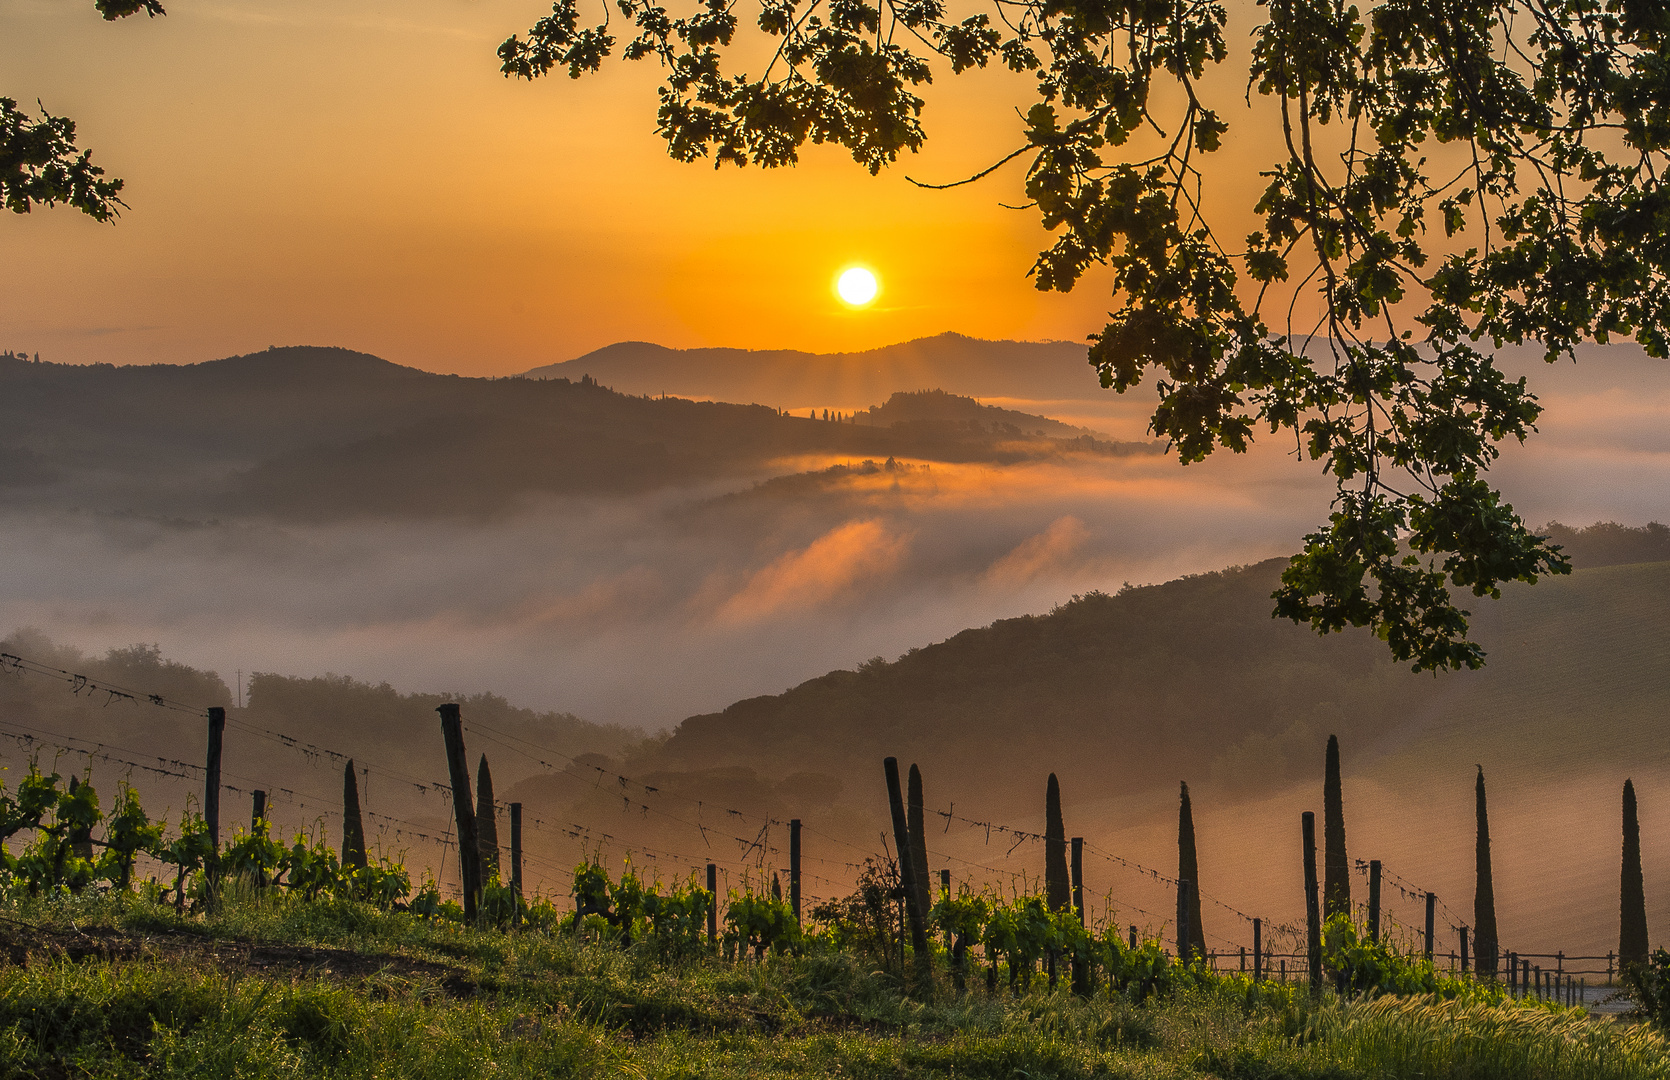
{"type": "Point", "coordinates": [469, 843]}
{"type": "Point", "coordinates": [907, 870]}
{"type": "Point", "coordinates": [1183, 949]}
{"type": "Point", "coordinates": [1078, 877]}
{"type": "Point", "coordinates": [1313, 907]}
{"type": "Point", "coordinates": [794, 867]}
{"type": "Point", "coordinates": [712, 904]}
{"type": "Point", "coordinates": [1463, 949]}
{"type": "Point", "coordinates": [211, 775]}
{"type": "Point", "coordinates": [516, 856]}
{"type": "Point", "coordinates": [258, 810]}
{"type": "Point", "coordinates": [1431, 911]}
{"type": "Point", "coordinates": [1374, 900]}
{"type": "Point", "coordinates": [1258, 950]}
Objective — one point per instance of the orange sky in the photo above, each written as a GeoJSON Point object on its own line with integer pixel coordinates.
{"type": "Point", "coordinates": [302, 171]}
{"type": "Point", "coordinates": [361, 175]}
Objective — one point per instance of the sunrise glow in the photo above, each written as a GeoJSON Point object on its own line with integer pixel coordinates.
{"type": "Point", "coordinates": [856, 286]}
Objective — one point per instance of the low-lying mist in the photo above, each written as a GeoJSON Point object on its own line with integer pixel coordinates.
{"type": "Point", "coordinates": [644, 608]}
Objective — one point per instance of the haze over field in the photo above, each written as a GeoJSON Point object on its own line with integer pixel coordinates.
{"type": "Point", "coordinates": [316, 511]}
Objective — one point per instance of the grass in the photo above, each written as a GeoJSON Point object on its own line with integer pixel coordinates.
{"type": "Point", "coordinates": [279, 988]}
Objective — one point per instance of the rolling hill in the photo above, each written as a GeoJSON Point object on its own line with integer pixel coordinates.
{"type": "Point", "coordinates": [847, 381]}
{"type": "Point", "coordinates": [323, 434]}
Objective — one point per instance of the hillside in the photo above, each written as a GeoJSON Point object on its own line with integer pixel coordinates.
{"type": "Point", "coordinates": [322, 434]}
{"type": "Point", "coordinates": [1120, 695]}
{"type": "Point", "coordinates": [846, 381]}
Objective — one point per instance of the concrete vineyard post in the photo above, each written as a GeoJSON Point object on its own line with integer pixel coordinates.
{"type": "Point", "coordinates": [1336, 868]}
{"type": "Point", "coordinates": [487, 821]}
{"type": "Point", "coordinates": [1183, 936]}
{"type": "Point", "coordinates": [1484, 896]}
{"type": "Point", "coordinates": [1632, 904]}
{"type": "Point", "coordinates": [353, 826]}
{"type": "Point", "coordinates": [907, 880]}
{"type": "Point", "coordinates": [469, 843]}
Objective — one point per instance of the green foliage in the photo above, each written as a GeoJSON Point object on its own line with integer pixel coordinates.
{"type": "Point", "coordinates": [437, 999]}
{"type": "Point", "coordinates": [1436, 185]}
{"type": "Point", "coordinates": [1647, 984]}
{"type": "Point", "coordinates": [40, 165]}
{"type": "Point", "coordinates": [758, 922]}
{"type": "Point", "coordinates": [670, 923]}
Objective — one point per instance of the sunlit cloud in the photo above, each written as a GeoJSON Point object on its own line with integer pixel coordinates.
{"type": "Point", "coordinates": [1049, 550]}
{"type": "Point", "coordinates": [824, 571]}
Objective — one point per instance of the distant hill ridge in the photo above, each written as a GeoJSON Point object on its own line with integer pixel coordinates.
{"type": "Point", "coordinates": [328, 433]}
{"type": "Point", "coordinates": [850, 381]}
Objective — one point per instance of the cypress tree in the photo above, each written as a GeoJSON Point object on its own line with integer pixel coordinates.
{"type": "Point", "coordinates": [1484, 898]}
{"type": "Point", "coordinates": [1632, 916]}
{"type": "Point", "coordinates": [1336, 869]}
{"type": "Point", "coordinates": [486, 822]}
{"type": "Point", "coordinates": [1058, 885]}
{"type": "Point", "coordinates": [919, 846]}
{"type": "Point", "coordinates": [353, 828]}
{"type": "Point", "coordinates": [1188, 869]}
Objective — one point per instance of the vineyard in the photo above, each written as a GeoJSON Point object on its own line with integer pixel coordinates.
{"type": "Point", "coordinates": [133, 939]}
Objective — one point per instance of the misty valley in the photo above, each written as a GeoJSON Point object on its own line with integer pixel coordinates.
{"type": "Point", "coordinates": [610, 587]}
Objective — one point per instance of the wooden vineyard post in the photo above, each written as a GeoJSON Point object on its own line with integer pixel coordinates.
{"type": "Point", "coordinates": [258, 810]}
{"type": "Point", "coordinates": [516, 857]}
{"type": "Point", "coordinates": [712, 904]}
{"type": "Point", "coordinates": [1431, 914]}
{"type": "Point", "coordinates": [907, 876]}
{"type": "Point", "coordinates": [211, 795]}
{"type": "Point", "coordinates": [1078, 877]}
{"type": "Point", "coordinates": [1313, 903]}
{"type": "Point", "coordinates": [1081, 966]}
{"type": "Point", "coordinates": [469, 843]}
{"type": "Point", "coordinates": [1374, 900]}
{"type": "Point", "coordinates": [1464, 950]}
{"type": "Point", "coordinates": [211, 775]}
{"type": "Point", "coordinates": [1133, 936]}
{"type": "Point", "coordinates": [794, 867]}
{"type": "Point", "coordinates": [1258, 950]}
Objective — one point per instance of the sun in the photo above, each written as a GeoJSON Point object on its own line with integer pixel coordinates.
{"type": "Point", "coordinates": [856, 286]}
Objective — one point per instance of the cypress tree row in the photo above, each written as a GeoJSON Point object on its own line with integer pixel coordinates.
{"type": "Point", "coordinates": [1632, 905]}
{"type": "Point", "coordinates": [1484, 897]}
{"type": "Point", "coordinates": [486, 822]}
{"type": "Point", "coordinates": [1058, 886]}
{"type": "Point", "coordinates": [1188, 869]}
{"type": "Point", "coordinates": [1336, 869]}
{"type": "Point", "coordinates": [353, 827]}
{"type": "Point", "coordinates": [919, 846]}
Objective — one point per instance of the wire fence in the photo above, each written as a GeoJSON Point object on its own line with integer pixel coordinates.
{"type": "Point", "coordinates": [754, 835]}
